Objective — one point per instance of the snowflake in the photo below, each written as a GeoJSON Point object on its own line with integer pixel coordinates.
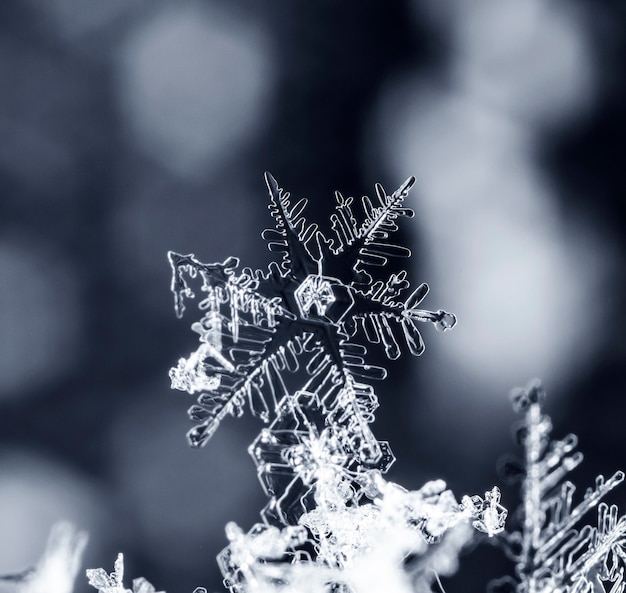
{"type": "Point", "coordinates": [333, 524]}
{"type": "Point", "coordinates": [553, 549]}
{"type": "Point", "coordinates": [331, 519]}
{"type": "Point", "coordinates": [310, 312]}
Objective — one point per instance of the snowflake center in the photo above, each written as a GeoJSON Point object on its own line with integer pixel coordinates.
{"type": "Point", "coordinates": [315, 291]}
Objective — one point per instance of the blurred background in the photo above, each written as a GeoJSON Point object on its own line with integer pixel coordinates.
{"type": "Point", "coordinates": [132, 127]}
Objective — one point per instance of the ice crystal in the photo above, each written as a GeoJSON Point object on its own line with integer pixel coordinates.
{"type": "Point", "coordinates": [114, 583]}
{"type": "Point", "coordinates": [554, 550]}
{"type": "Point", "coordinates": [332, 522]}
{"type": "Point", "coordinates": [310, 313]}
{"type": "Point", "coordinates": [355, 546]}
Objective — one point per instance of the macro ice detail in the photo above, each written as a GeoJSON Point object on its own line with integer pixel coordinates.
{"type": "Point", "coordinates": [553, 548]}
{"type": "Point", "coordinates": [308, 314]}
{"type": "Point", "coordinates": [359, 547]}
{"type": "Point", "coordinates": [315, 291]}
{"type": "Point", "coordinates": [289, 343]}
{"type": "Point", "coordinates": [114, 582]}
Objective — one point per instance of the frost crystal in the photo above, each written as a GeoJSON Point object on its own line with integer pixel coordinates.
{"type": "Point", "coordinates": [315, 291]}
{"type": "Point", "coordinates": [309, 313]}
{"type": "Point", "coordinates": [553, 549]}
{"type": "Point", "coordinates": [114, 583]}
{"type": "Point", "coordinates": [332, 523]}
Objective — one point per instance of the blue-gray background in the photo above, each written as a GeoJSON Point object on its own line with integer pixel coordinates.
{"type": "Point", "coordinates": [131, 127]}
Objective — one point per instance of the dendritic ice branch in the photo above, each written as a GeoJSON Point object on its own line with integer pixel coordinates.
{"type": "Point", "coordinates": [309, 313]}
{"type": "Point", "coordinates": [554, 550]}
{"type": "Point", "coordinates": [332, 523]}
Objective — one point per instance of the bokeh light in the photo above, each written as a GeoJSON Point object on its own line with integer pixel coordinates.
{"type": "Point", "coordinates": [194, 85]}
{"type": "Point", "coordinates": [40, 315]}
{"type": "Point", "coordinates": [36, 492]}
{"type": "Point", "coordinates": [533, 60]}
{"type": "Point", "coordinates": [43, 121]}
{"type": "Point", "coordinates": [76, 19]}
{"type": "Point", "coordinates": [175, 499]}
{"type": "Point", "coordinates": [494, 241]}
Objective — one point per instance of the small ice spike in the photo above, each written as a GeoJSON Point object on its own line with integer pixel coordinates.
{"type": "Point", "coordinates": [114, 583]}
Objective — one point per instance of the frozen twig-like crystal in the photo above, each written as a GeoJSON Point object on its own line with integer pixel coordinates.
{"type": "Point", "coordinates": [553, 549]}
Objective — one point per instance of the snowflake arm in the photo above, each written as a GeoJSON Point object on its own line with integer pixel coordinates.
{"type": "Point", "coordinates": [357, 246]}
{"type": "Point", "coordinates": [552, 548]}
{"type": "Point", "coordinates": [299, 241]}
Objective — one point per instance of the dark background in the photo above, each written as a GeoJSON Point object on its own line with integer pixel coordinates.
{"type": "Point", "coordinates": [131, 127]}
